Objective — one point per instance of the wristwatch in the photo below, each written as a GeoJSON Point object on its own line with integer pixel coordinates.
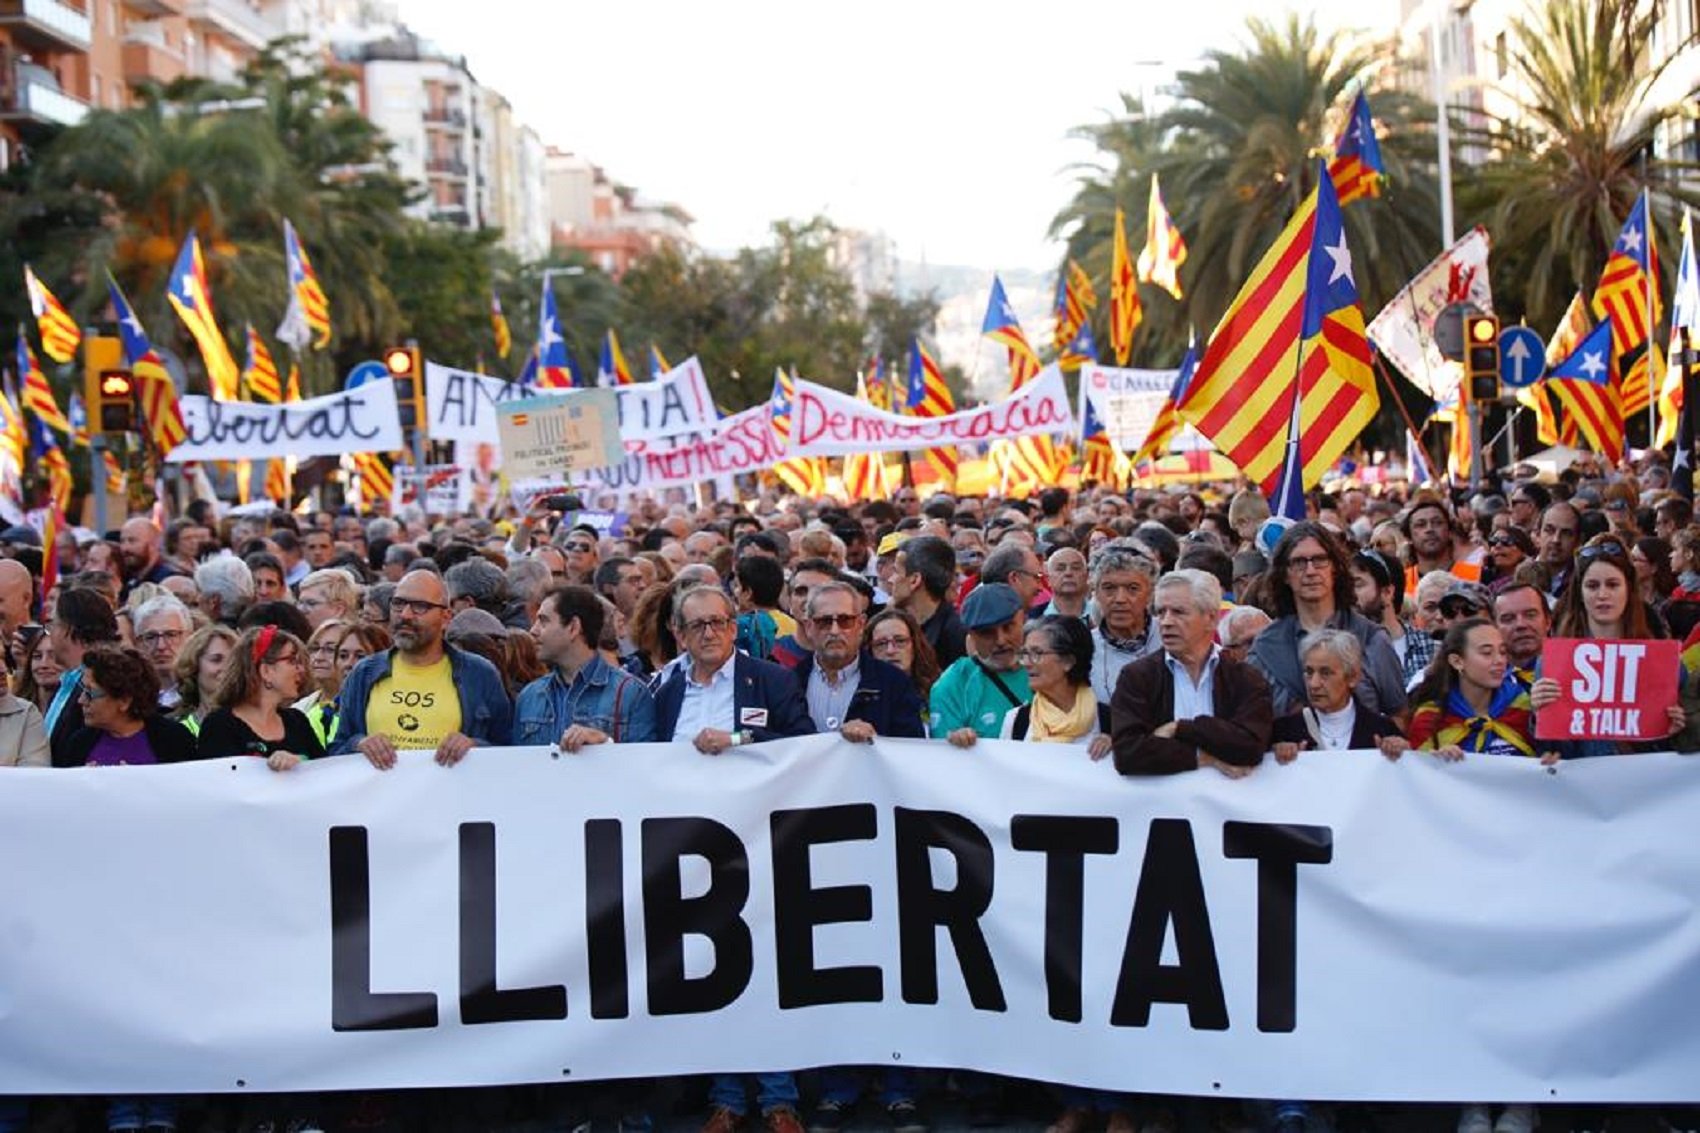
{"type": "Point", "coordinates": [740, 737]}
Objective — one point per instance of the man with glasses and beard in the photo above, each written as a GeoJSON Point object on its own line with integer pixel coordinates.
{"type": "Point", "coordinates": [423, 693]}
{"type": "Point", "coordinates": [847, 689]}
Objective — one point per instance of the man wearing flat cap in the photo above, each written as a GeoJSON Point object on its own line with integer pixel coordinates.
{"type": "Point", "coordinates": [978, 689]}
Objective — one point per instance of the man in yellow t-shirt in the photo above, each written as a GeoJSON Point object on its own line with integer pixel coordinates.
{"type": "Point", "coordinates": [416, 706]}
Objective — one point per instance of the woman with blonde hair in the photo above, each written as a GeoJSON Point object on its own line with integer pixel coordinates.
{"type": "Point", "coordinates": [199, 668]}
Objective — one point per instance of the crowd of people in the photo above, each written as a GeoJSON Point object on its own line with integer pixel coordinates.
{"type": "Point", "coordinates": [1150, 629]}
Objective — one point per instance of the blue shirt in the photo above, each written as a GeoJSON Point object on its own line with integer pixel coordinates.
{"type": "Point", "coordinates": [69, 684]}
{"type": "Point", "coordinates": [599, 696]}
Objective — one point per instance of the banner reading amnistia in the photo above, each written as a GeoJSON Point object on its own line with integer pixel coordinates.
{"type": "Point", "coordinates": [461, 405]}
{"type": "Point", "coordinates": [529, 916]}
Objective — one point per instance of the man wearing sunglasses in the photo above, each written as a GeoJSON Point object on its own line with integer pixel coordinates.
{"type": "Point", "coordinates": [423, 693]}
{"type": "Point", "coordinates": [848, 690]}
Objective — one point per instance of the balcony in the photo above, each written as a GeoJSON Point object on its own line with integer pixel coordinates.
{"type": "Point", "coordinates": [445, 118]}
{"type": "Point", "coordinates": [156, 9]}
{"type": "Point", "coordinates": [35, 100]}
{"type": "Point", "coordinates": [236, 19]}
{"type": "Point", "coordinates": [148, 59]}
{"type": "Point", "coordinates": [45, 25]}
{"type": "Point", "coordinates": [445, 166]}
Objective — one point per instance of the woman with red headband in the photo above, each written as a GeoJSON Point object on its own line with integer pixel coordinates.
{"type": "Point", "coordinates": [252, 714]}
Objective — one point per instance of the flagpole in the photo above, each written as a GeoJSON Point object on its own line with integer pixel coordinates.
{"type": "Point", "coordinates": [1647, 309]}
{"type": "Point", "coordinates": [1410, 425]}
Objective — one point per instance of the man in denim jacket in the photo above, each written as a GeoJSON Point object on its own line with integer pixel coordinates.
{"type": "Point", "coordinates": [584, 699]}
{"type": "Point", "coordinates": [423, 693]}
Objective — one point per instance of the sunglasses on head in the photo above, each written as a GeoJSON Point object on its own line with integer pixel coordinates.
{"type": "Point", "coordinates": [1599, 550]}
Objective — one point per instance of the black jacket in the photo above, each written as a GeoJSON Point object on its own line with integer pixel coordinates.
{"type": "Point", "coordinates": [885, 697]}
{"type": "Point", "coordinates": [171, 743]}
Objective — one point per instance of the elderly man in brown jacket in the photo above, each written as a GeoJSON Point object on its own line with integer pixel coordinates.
{"type": "Point", "coordinates": [1189, 706]}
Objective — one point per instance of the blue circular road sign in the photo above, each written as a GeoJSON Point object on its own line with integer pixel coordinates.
{"type": "Point", "coordinates": [1522, 357]}
{"type": "Point", "coordinates": [368, 371]}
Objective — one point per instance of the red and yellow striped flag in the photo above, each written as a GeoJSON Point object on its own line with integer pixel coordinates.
{"type": "Point", "coordinates": [1164, 252]}
{"type": "Point", "coordinates": [929, 396]}
{"type": "Point", "coordinates": [1125, 312]}
{"type": "Point", "coordinates": [1289, 351]}
{"type": "Point", "coordinates": [60, 334]}
{"type": "Point", "coordinates": [377, 482]}
{"type": "Point", "coordinates": [261, 372]}
{"type": "Point", "coordinates": [1628, 295]}
{"type": "Point", "coordinates": [38, 395]}
{"type": "Point", "coordinates": [292, 388]}
{"type": "Point", "coordinates": [1026, 464]}
{"type": "Point", "coordinates": [803, 475]}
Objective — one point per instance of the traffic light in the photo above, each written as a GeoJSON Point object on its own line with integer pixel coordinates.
{"type": "Point", "coordinates": [1481, 356]}
{"type": "Point", "coordinates": [406, 368]}
{"type": "Point", "coordinates": [108, 387]}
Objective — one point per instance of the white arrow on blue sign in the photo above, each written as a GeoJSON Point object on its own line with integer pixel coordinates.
{"type": "Point", "coordinates": [1522, 357]}
{"type": "Point", "coordinates": [363, 372]}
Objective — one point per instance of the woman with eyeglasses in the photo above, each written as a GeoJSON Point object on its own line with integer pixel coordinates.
{"type": "Point", "coordinates": [122, 723]}
{"type": "Point", "coordinates": [1056, 652]}
{"type": "Point", "coordinates": [323, 678]}
{"type": "Point", "coordinates": [895, 637]}
{"type": "Point", "coordinates": [199, 668]}
{"type": "Point", "coordinates": [254, 714]}
{"type": "Point", "coordinates": [1311, 588]}
{"type": "Point", "coordinates": [1602, 600]}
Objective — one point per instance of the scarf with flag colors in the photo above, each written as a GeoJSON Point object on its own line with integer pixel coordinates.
{"type": "Point", "coordinates": [261, 371]}
{"type": "Point", "coordinates": [1628, 298]}
{"type": "Point", "coordinates": [191, 298]}
{"type": "Point", "coordinates": [499, 327]}
{"type": "Point", "coordinates": [928, 396]}
{"type": "Point", "coordinates": [803, 475]}
{"type": "Point", "coordinates": [154, 387]}
{"type": "Point", "coordinates": [1125, 312]}
{"type": "Point", "coordinates": [38, 394]}
{"type": "Point", "coordinates": [304, 288]}
{"type": "Point", "coordinates": [1290, 355]}
{"type": "Point", "coordinates": [1164, 252]}
{"type": "Point", "coordinates": [1356, 170]}
{"type": "Point", "coordinates": [1027, 464]}
{"type": "Point", "coordinates": [1584, 386]}
{"type": "Point", "coordinates": [60, 335]}
{"type": "Point", "coordinates": [612, 370]}
{"type": "Point", "coordinates": [1075, 300]}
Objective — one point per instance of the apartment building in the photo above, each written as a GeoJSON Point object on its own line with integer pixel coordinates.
{"type": "Point", "coordinates": [611, 223]}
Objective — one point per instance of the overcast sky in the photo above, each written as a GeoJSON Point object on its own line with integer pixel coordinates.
{"type": "Point", "coordinates": [942, 123]}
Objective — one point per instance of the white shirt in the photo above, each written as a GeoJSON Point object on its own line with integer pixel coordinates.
{"type": "Point", "coordinates": [1194, 700]}
{"type": "Point", "coordinates": [711, 705]}
{"type": "Point", "coordinates": [1333, 730]}
{"type": "Point", "coordinates": [829, 698]}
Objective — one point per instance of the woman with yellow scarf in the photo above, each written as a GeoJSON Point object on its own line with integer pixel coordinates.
{"type": "Point", "coordinates": [1056, 652]}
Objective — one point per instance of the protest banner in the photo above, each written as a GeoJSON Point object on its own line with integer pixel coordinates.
{"type": "Point", "coordinates": [825, 422]}
{"type": "Point", "coordinates": [362, 419]}
{"type": "Point", "coordinates": [743, 442]}
{"type": "Point", "coordinates": [560, 434]}
{"type": "Point", "coordinates": [1125, 401]}
{"type": "Point", "coordinates": [1609, 690]}
{"type": "Point", "coordinates": [1404, 329]}
{"type": "Point", "coordinates": [461, 405]}
{"type": "Point", "coordinates": [447, 488]}
{"type": "Point", "coordinates": [632, 910]}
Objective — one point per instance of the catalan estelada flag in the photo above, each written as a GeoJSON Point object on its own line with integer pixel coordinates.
{"type": "Point", "coordinates": [154, 387]}
{"type": "Point", "coordinates": [38, 395]}
{"type": "Point", "coordinates": [1584, 386]}
{"type": "Point", "coordinates": [1075, 300]}
{"type": "Point", "coordinates": [1628, 298]}
{"type": "Point", "coordinates": [1168, 424]}
{"type": "Point", "coordinates": [928, 396]}
{"type": "Point", "coordinates": [1356, 169]}
{"type": "Point", "coordinates": [1573, 327]}
{"type": "Point", "coordinates": [261, 371]}
{"type": "Point", "coordinates": [804, 475]}
{"type": "Point", "coordinates": [865, 474]}
{"type": "Point", "coordinates": [1684, 315]}
{"type": "Point", "coordinates": [51, 525]}
{"type": "Point", "coordinates": [60, 334]}
{"type": "Point", "coordinates": [191, 298]}
{"type": "Point", "coordinates": [611, 369]}
{"type": "Point", "coordinates": [1025, 464]}
{"type": "Point", "coordinates": [499, 327]}
{"type": "Point", "coordinates": [305, 289]}
{"type": "Point", "coordinates": [1164, 252]}
{"type": "Point", "coordinates": [1082, 350]}
{"type": "Point", "coordinates": [658, 364]}
{"type": "Point", "coordinates": [1291, 345]}
{"type": "Point", "coordinates": [377, 482]}
{"type": "Point", "coordinates": [1125, 312]}
{"type": "Point", "coordinates": [1100, 460]}
{"type": "Point", "coordinates": [554, 367]}
{"type": "Point", "coordinates": [14, 443]}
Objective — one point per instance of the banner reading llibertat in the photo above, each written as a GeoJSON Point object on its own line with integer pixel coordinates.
{"type": "Point", "coordinates": [1343, 927]}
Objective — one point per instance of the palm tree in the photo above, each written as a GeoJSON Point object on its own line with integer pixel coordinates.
{"type": "Point", "coordinates": [1237, 156]}
{"type": "Point", "coordinates": [1570, 159]}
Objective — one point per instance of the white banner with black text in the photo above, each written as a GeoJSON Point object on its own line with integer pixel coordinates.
{"type": "Point", "coordinates": [362, 419]}
{"type": "Point", "coordinates": [1343, 927]}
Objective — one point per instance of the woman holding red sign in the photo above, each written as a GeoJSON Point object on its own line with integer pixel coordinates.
{"type": "Point", "coordinates": [1470, 700]}
{"type": "Point", "coordinates": [1602, 601]}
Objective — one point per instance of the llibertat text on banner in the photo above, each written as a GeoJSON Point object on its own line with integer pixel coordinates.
{"type": "Point", "coordinates": [1341, 927]}
{"type": "Point", "coordinates": [362, 419]}
{"type": "Point", "coordinates": [461, 405]}
{"type": "Point", "coordinates": [825, 422]}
